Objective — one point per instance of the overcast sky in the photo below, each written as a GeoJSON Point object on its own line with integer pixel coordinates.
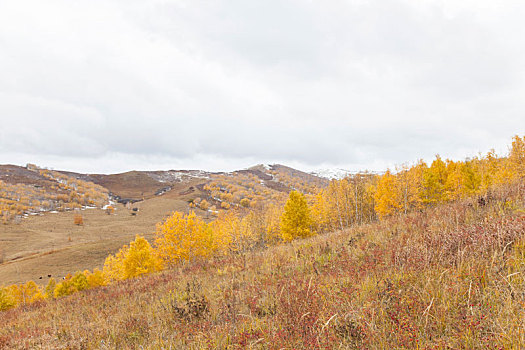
{"type": "Point", "coordinates": [109, 86]}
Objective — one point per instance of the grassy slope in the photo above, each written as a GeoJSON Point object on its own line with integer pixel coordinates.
{"type": "Point", "coordinates": [52, 244]}
{"type": "Point", "coordinates": [449, 277]}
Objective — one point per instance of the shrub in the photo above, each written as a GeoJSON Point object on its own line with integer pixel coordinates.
{"type": "Point", "coordinates": [78, 219]}
{"type": "Point", "coordinates": [64, 288]}
{"type": "Point", "coordinates": [79, 281]}
{"type": "Point", "coordinates": [204, 205]}
{"type": "Point", "coordinates": [49, 291]}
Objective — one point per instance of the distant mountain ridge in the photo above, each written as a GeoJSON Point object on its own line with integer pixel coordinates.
{"type": "Point", "coordinates": [245, 187]}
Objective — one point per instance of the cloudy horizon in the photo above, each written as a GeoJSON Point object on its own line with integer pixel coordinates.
{"type": "Point", "coordinates": [111, 86]}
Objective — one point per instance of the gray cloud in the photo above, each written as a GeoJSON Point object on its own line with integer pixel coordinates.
{"type": "Point", "coordinates": [354, 84]}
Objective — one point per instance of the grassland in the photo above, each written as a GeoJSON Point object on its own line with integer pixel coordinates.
{"type": "Point", "coordinates": [52, 245]}
{"type": "Point", "coordinates": [448, 277]}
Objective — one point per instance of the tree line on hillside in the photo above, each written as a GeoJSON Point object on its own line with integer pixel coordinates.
{"type": "Point", "coordinates": [365, 197]}
{"type": "Point", "coordinates": [64, 193]}
{"type": "Point", "coordinates": [355, 200]}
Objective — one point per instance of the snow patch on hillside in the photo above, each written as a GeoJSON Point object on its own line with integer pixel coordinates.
{"type": "Point", "coordinates": [179, 176]}
{"type": "Point", "coordinates": [332, 174]}
{"type": "Point", "coordinates": [338, 174]}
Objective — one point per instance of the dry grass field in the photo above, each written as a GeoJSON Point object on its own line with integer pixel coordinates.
{"type": "Point", "coordinates": [51, 244]}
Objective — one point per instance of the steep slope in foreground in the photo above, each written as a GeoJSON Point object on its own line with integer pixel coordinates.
{"type": "Point", "coordinates": [448, 277]}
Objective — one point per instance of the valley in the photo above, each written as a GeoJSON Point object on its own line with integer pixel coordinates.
{"type": "Point", "coordinates": [45, 241]}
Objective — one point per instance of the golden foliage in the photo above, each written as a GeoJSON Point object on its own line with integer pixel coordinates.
{"type": "Point", "coordinates": [95, 278]}
{"type": "Point", "coordinates": [49, 291]}
{"type": "Point", "coordinates": [387, 196]}
{"type": "Point", "coordinates": [26, 293]}
{"type": "Point", "coordinates": [78, 219]}
{"type": "Point", "coordinates": [7, 300]}
{"type": "Point", "coordinates": [204, 204]}
{"type": "Point", "coordinates": [296, 220]}
{"type": "Point", "coordinates": [245, 202]}
{"type": "Point", "coordinates": [183, 237]}
{"type": "Point", "coordinates": [138, 259]}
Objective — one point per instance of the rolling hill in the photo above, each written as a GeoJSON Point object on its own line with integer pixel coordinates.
{"type": "Point", "coordinates": [39, 237]}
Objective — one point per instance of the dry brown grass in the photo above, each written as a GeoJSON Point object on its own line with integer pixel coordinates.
{"type": "Point", "coordinates": [52, 244]}
{"type": "Point", "coordinates": [446, 278]}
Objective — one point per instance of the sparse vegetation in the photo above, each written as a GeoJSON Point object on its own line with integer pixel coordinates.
{"type": "Point", "coordinates": [54, 191]}
{"type": "Point", "coordinates": [78, 219]}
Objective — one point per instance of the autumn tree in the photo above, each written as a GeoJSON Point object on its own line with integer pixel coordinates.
{"type": "Point", "coordinates": [7, 300]}
{"type": "Point", "coordinates": [72, 284]}
{"type": "Point", "coordinates": [334, 194]}
{"type": "Point", "coordinates": [64, 287]}
{"type": "Point", "coordinates": [138, 259]}
{"type": "Point", "coordinates": [454, 186]}
{"type": "Point", "coordinates": [183, 237]}
{"type": "Point", "coordinates": [26, 293]}
{"type": "Point", "coordinates": [271, 215]}
{"type": "Point", "coordinates": [231, 233]}
{"type": "Point", "coordinates": [434, 180]}
{"type": "Point", "coordinates": [387, 196]}
{"type": "Point", "coordinates": [487, 167]}
{"type": "Point", "coordinates": [79, 281]}
{"type": "Point", "coordinates": [517, 156]}
{"type": "Point", "coordinates": [409, 181]}
{"type": "Point", "coordinates": [296, 220]}
{"type": "Point", "coordinates": [462, 180]}
{"type": "Point", "coordinates": [321, 212]}
{"type": "Point", "coordinates": [95, 278]}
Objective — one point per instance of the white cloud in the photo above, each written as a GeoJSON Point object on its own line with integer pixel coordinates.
{"type": "Point", "coordinates": [353, 84]}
